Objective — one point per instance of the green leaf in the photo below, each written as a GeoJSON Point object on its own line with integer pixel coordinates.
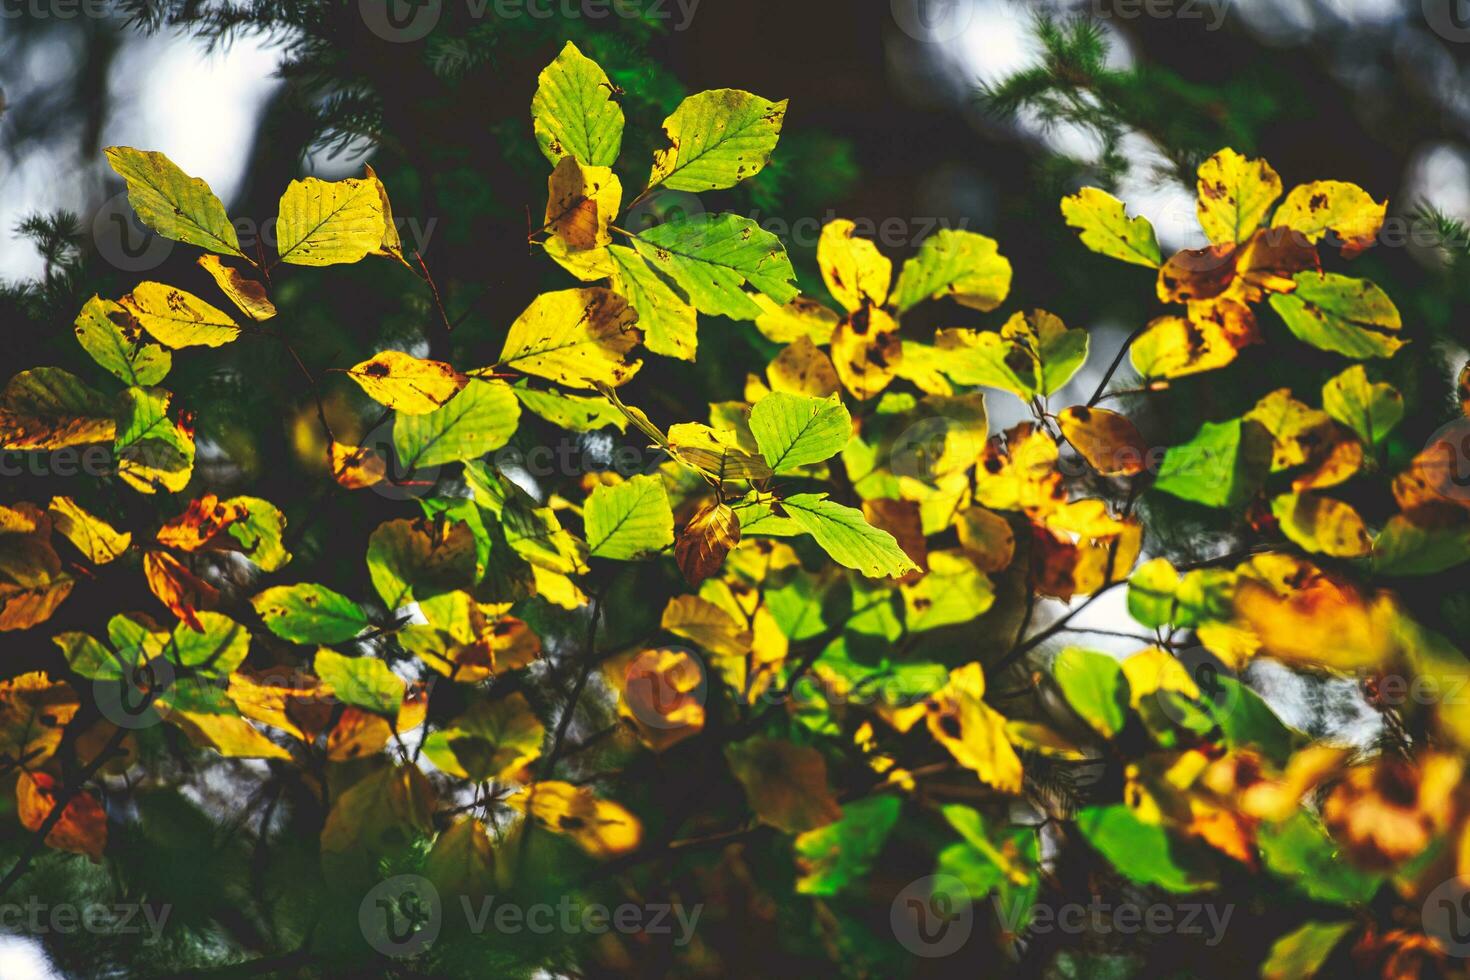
{"type": "Point", "coordinates": [832, 857]}
{"type": "Point", "coordinates": [110, 335]}
{"type": "Point", "coordinates": [1300, 953]}
{"type": "Point", "coordinates": [89, 658]}
{"type": "Point", "coordinates": [580, 413]}
{"type": "Point", "coordinates": [1246, 719]}
{"type": "Point", "coordinates": [217, 650]}
{"type": "Point", "coordinates": [1002, 859]}
{"type": "Point", "coordinates": [669, 324]}
{"type": "Point", "coordinates": [1222, 466]}
{"type": "Point", "coordinates": [716, 140]}
{"type": "Point", "coordinates": [172, 203]}
{"type": "Point", "coordinates": [1352, 317]}
{"type": "Point", "coordinates": [1095, 687]}
{"type": "Point", "coordinates": [1107, 229]}
{"type": "Point", "coordinates": [478, 420]}
{"type": "Point", "coordinates": [1370, 410]}
{"type": "Point", "coordinates": [573, 112]}
{"type": "Point", "coordinates": [362, 682]}
{"type": "Point", "coordinates": [492, 740]}
{"type": "Point", "coordinates": [798, 430]}
{"type": "Point", "coordinates": [629, 521]}
{"type": "Point", "coordinates": [153, 452]}
{"type": "Point", "coordinates": [1144, 852]}
{"type": "Point", "coordinates": [954, 591]}
{"type": "Point", "coordinates": [1299, 849]}
{"type": "Point", "coordinates": [711, 256]}
{"type": "Point", "coordinates": [261, 532]}
{"type": "Point", "coordinates": [844, 534]}
{"type": "Point", "coordinates": [308, 613]}
{"type": "Point", "coordinates": [962, 265]}
{"type": "Point", "coordinates": [1151, 590]}
{"type": "Point", "coordinates": [1405, 548]}
{"type": "Point", "coordinates": [416, 560]}
{"type": "Point", "coordinates": [322, 222]}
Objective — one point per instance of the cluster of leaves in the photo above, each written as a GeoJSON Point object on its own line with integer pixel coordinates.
{"type": "Point", "coordinates": [817, 664]}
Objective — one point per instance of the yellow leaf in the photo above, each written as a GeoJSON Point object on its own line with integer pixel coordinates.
{"type": "Point", "coordinates": [48, 408]}
{"type": "Point", "coordinates": [803, 369]}
{"type": "Point", "coordinates": [179, 319]}
{"type": "Point", "coordinates": [1106, 228]}
{"type": "Point", "coordinates": [866, 351]}
{"type": "Point", "coordinates": [246, 293]}
{"type": "Point", "coordinates": [1153, 670]}
{"type": "Point", "coordinates": [663, 697]}
{"type": "Point", "coordinates": [356, 467]}
{"type": "Point", "coordinates": [330, 222]}
{"type": "Point", "coordinates": [706, 625]}
{"type": "Point", "coordinates": [576, 337]}
{"type": "Point", "coordinates": [1020, 473]}
{"type": "Point", "coordinates": [1345, 210]}
{"type": "Point", "coordinates": [972, 731]}
{"type": "Point", "coordinates": [33, 711]}
{"type": "Point", "coordinates": [176, 587]}
{"type": "Point", "coordinates": [600, 827]}
{"type": "Point", "coordinates": [93, 537]}
{"type": "Point", "coordinates": [406, 383]}
{"type": "Point", "coordinates": [1316, 620]}
{"type": "Point", "coordinates": [580, 203]}
{"type": "Point", "coordinates": [802, 317]}
{"type": "Point", "coordinates": [172, 203]}
{"type": "Point", "coordinates": [1322, 524]}
{"type": "Point", "coordinates": [1234, 196]}
{"type": "Point", "coordinates": [1109, 442]}
{"type": "Point", "coordinates": [987, 538]}
{"type": "Point", "coordinates": [856, 273]}
{"type": "Point", "coordinates": [716, 451]}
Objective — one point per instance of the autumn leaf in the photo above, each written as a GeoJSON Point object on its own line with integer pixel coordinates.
{"type": "Point", "coordinates": [82, 827]}
{"type": "Point", "coordinates": [602, 828]}
{"type": "Point", "coordinates": [248, 295]}
{"type": "Point", "coordinates": [172, 203]}
{"type": "Point", "coordinates": [962, 265]}
{"type": "Point", "coordinates": [111, 335]}
{"type": "Point", "coordinates": [93, 537]}
{"type": "Point", "coordinates": [323, 222]}
{"type": "Point", "coordinates": [716, 140]}
{"type": "Point", "coordinates": [856, 273]}
{"type": "Point", "coordinates": [1109, 442]}
{"type": "Point", "coordinates": [785, 784]}
{"type": "Point", "coordinates": [1106, 228]}
{"type": "Point", "coordinates": [178, 319]}
{"type": "Point", "coordinates": [1235, 194]}
{"type": "Point", "coordinates": [704, 542]}
{"type": "Point", "coordinates": [576, 337]}
{"type": "Point", "coordinates": [409, 384]}
{"type": "Point", "coordinates": [574, 112]}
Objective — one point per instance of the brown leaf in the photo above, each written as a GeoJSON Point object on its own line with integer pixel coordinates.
{"type": "Point", "coordinates": [82, 828]}
{"type": "Point", "coordinates": [785, 784]}
{"type": "Point", "coordinates": [183, 592]}
{"type": "Point", "coordinates": [705, 541]}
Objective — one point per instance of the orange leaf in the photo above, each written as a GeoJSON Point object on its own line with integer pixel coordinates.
{"type": "Point", "coordinates": [82, 828]}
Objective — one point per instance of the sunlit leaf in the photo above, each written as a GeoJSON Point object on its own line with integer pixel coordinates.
{"type": "Point", "coordinates": [172, 203]}
{"type": "Point", "coordinates": [478, 420]}
{"type": "Point", "coordinates": [1222, 466]}
{"type": "Point", "coordinates": [82, 828]}
{"type": "Point", "coordinates": [832, 857]}
{"type": "Point", "coordinates": [847, 537]}
{"type": "Point", "coordinates": [717, 139]}
{"type": "Point", "coordinates": [1107, 229]}
{"type": "Point", "coordinates": [576, 337]}
{"type": "Point", "coordinates": [309, 613]}
{"type": "Point", "coordinates": [669, 324]}
{"type": "Point", "coordinates": [323, 222]}
{"type": "Point", "coordinates": [705, 541]}
{"type": "Point", "coordinates": [93, 537]}
{"type": "Point", "coordinates": [965, 266]}
{"type": "Point", "coordinates": [574, 112]}
{"type": "Point", "coordinates": [711, 256]}
{"type": "Point", "coordinates": [855, 272]}
{"type": "Point", "coordinates": [246, 293]}
{"type": "Point", "coordinates": [408, 384]}
{"type": "Point", "coordinates": [1323, 206]}
{"type": "Point", "coordinates": [110, 334]}
{"type": "Point", "coordinates": [1371, 410]}
{"type": "Point", "coordinates": [1322, 524]}
{"type": "Point", "coordinates": [1110, 442]}
{"type": "Point", "coordinates": [48, 408]}
{"type": "Point", "coordinates": [494, 739]}
{"type": "Point", "coordinates": [629, 521]}
{"type": "Point", "coordinates": [1235, 195]}
{"type": "Point", "coordinates": [602, 828]}
{"type": "Point", "coordinates": [1352, 317]}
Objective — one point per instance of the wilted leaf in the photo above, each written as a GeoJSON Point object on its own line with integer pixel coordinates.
{"type": "Point", "coordinates": [246, 293]}
{"type": "Point", "coordinates": [785, 784]}
{"type": "Point", "coordinates": [705, 541]}
{"type": "Point", "coordinates": [82, 828]}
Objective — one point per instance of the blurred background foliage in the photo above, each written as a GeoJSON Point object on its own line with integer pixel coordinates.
{"type": "Point", "coordinates": [982, 119]}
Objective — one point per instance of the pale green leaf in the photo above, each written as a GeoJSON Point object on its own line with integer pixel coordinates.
{"type": "Point", "coordinates": [629, 521]}
{"type": "Point", "coordinates": [798, 430]}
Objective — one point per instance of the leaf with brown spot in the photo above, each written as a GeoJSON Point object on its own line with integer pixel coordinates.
{"type": "Point", "coordinates": [1110, 442]}
{"type": "Point", "coordinates": [247, 294]}
{"type": "Point", "coordinates": [803, 369]}
{"type": "Point", "coordinates": [701, 547]}
{"type": "Point", "coordinates": [406, 383]}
